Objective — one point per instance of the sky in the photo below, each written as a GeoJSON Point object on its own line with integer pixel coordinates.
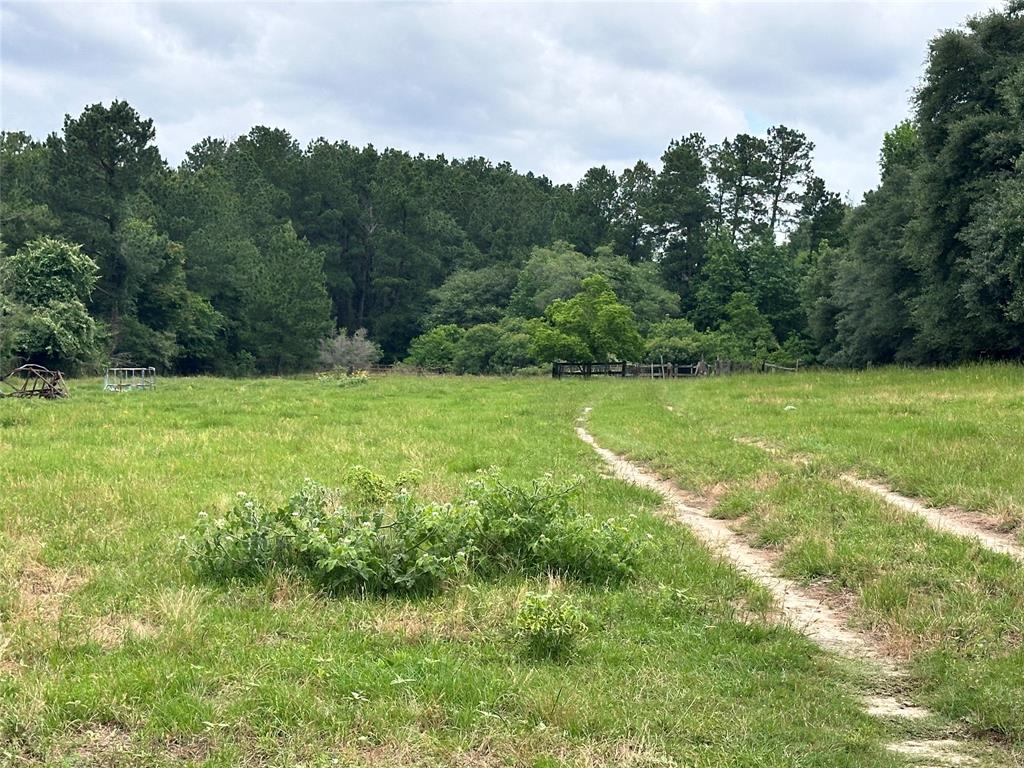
{"type": "Point", "coordinates": [552, 88]}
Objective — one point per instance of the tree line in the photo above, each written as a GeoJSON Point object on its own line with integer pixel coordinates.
{"type": "Point", "coordinates": [260, 255]}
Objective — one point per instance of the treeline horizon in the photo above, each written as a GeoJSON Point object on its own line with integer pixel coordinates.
{"type": "Point", "coordinates": [250, 255]}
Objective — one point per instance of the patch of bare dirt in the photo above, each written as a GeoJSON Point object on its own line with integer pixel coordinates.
{"type": "Point", "coordinates": [112, 630]}
{"type": "Point", "coordinates": [949, 520]}
{"type": "Point", "coordinates": [933, 753]}
{"type": "Point", "coordinates": [889, 707]}
{"type": "Point", "coordinates": [8, 666]}
{"type": "Point", "coordinates": [628, 754]}
{"type": "Point", "coordinates": [42, 591]}
{"type": "Point", "coordinates": [102, 745]}
{"type": "Point", "coordinates": [194, 750]}
{"type": "Point", "coordinates": [795, 459]}
{"type": "Point", "coordinates": [400, 755]}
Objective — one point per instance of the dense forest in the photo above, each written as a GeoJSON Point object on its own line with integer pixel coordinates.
{"type": "Point", "coordinates": [260, 255]}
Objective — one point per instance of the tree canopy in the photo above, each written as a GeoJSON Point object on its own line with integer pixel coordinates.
{"type": "Point", "coordinates": [252, 252]}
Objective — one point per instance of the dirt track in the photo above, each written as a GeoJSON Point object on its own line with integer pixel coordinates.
{"type": "Point", "coordinates": [824, 624]}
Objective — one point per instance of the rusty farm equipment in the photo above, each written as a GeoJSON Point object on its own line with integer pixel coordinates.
{"type": "Point", "coordinates": [34, 381]}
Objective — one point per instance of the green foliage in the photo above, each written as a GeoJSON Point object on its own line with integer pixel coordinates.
{"type": "Point", "coordinates": [679, 341]}
{"type": "Point", "coordinates": [539, 528]}
{"type": "Point", "coordinates": [745, 334]}
{"type": "Point", "coordinates": [49, 269]}
{"type": "Point", "coordinates": [552, 273]}
{"type": "Point", "coordinates": [471, 297]}
{"type": "Point", "coordinates": [287, 307]}
{"type": "Point", "coordinates": [43, 290]}
{"type": "Point", "coordinates": [592, 323]}
{"type": "Point", "coordinates": [369, 537]}
{"type": "Point", "coordinates": [477, 348]}
{"type": "Point", "coordinates": [549, 625]}
{"type": "Point", "coordinates": [247, 255]}
{"type": "Point", "coordinates": [436, 348]}
{"type": "Point", "coordinates": [372, 536]}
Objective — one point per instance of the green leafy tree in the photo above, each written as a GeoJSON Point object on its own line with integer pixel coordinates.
{"type": "Point", "coordinates": [595, 203]}
{"type": "Point", "coordinates": [678, 213]}
{"type": "Point", "coordinates": [724, 273]}
{"type": "Point", "coordinates": [638, 285]}
{"type": "Point", "coordinates": [606, 328]}
{"type": "Point", "coordinates": [477, 348]}
{"type": "Point", "coordinates": [677, 341]}
{"type": "Point", "coordinates": [788, 160]}
{"type": "Point", "coordinates": [968, 118]}
{"type": "Point", "coordinates": [436, 348]}
{"type": "Point", "coordinates": [102, 158]}
{"type": "Point", "coordinates": [473, 296]}
{"type": "Point", "coordinates": [24, 210]}
{"type": "Point", "coordinates": [745, 334]}
{"type": "Point", "coordinates": [555, 272]}
{"type": "Point", "coordinates": [44, 288]}
{"type": "Point", "coordinates": [632, 235]}
{"type": "Point", "coordinates": [740, 173]}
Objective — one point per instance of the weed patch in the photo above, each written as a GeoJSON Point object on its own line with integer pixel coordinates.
{"type": "Point", "coordinates": [372, 536]}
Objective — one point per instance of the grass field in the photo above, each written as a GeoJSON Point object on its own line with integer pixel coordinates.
{"type": "Point", "coordinates": [113, 652]}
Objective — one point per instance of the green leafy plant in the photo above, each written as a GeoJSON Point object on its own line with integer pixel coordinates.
{"type": "Point", "coordinates": [540, 528]}
{"type": "Point", "coordinates": [372, 536]}
{"type": "Point", "coordinates": [549, 625]}
{"type": "Point", "coordinates": [368, 536]}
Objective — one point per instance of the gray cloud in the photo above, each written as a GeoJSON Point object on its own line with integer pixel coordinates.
{"type": "Point", "coordinates": [552, 88]}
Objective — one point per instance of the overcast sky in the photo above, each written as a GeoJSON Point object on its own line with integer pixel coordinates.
{"type": "Point", "coordinates": [552, 88]}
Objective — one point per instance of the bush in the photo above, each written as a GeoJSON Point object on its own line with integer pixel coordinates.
{"type": "Point", "coordinates": [436, 348]}
{"type": "Point", "coordinates": [44, 290]}
{"type": "Point", "coordinates": [550, 626]}
{"type": "Point", "coordinates": [369, 536]}
{"type": "Point", "coordinates": [539, 528]}
{"type": "Point", "coordinates": [372, 536]}
{"type": "Point", "coordinates": [355, 352]}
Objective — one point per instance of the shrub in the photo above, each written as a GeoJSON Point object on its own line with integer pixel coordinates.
{"type": "Point", "coordinates": [355, 352]}
{"type": "Point", "coordinates": [550, 626]}
{"type": "Point", "coordinates": [343, 379]}
{"type": "Point", "coordinates": [436, 348]}
{"type": "Point", "coordinates": [44, 292]}
{"type": "Point", "coordinates": [539, 528]}
{"type": "Point", "coordinates": [371, 535]}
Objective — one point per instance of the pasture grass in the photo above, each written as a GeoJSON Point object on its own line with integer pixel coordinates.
{"type": "Point", "coordinates": [113, 653]}
{"type": "Point", "coordinates": [953, 609]}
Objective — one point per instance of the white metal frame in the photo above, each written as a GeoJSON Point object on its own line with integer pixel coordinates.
{"type": "Point", "coordinates": [129, 379]}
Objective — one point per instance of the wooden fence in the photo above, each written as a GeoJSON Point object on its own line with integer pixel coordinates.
{"type": "Point", "coordinates": [665, 370]}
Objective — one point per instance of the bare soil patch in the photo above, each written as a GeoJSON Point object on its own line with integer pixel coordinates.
{"type": "Point", "coordinates": [112, 630]}
{"type": "Point", "coordinates": [42, 591]}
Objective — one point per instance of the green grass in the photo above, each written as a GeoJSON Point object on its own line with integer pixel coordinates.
{"type": "Point", "coordinates": [118, 655]}
{"type": "Point", "coordinates": [955, 610]}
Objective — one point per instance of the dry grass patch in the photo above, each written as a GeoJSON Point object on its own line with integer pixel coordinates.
{"type": "Point", "coordinates": [112, 630]}
{"type": "Point", "coordinates": [102, 745]}
{"type": "Point", "coordinates": [42, 591]}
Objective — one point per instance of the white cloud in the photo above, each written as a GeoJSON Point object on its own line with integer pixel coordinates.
{"type": "Point", "coordinates": [552, 88]}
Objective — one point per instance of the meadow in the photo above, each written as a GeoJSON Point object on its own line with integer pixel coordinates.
{"type": "Point", "coordinates": [115, 652]}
